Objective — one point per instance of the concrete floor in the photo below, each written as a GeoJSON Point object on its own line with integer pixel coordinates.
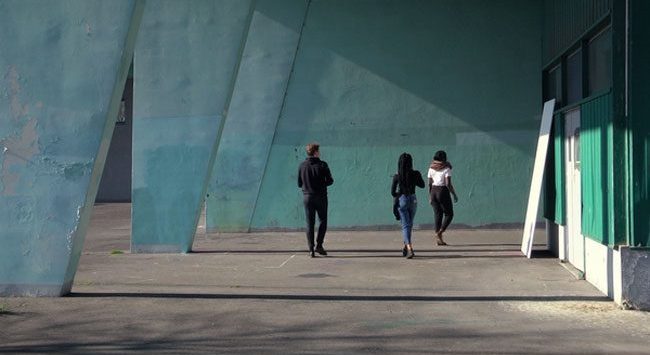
{"type": "Point", "coordinates": [261, 293]}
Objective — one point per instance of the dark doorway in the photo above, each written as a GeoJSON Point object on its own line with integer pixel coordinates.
{"type": "Point", "coordinates": [115, 185]}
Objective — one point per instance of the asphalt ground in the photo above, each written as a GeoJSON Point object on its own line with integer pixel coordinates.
{"type": "Point", "coordinates": [261, 293]}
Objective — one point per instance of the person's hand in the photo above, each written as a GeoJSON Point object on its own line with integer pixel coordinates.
{"type": "Point", "coordinates": [455, 198]}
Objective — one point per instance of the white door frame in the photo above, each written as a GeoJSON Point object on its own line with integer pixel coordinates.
{"type": "Point", "coordinates": [574, 240]}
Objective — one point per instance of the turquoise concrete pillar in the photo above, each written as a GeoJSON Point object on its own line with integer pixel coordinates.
{"type": "Point", "coordinates": [63, 65]}
{"type": "Point", "coordinates": [185, 61]}
{"type": "Point", "coordinates": [256, 104]}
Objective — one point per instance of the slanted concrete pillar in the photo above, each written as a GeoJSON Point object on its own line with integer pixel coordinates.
{"type": "Point", "coordinates": [62, 70]}
{"type": "Point", "coordinates": [256, 105]}
{"type": "Point", "coordinates": [185, 62]}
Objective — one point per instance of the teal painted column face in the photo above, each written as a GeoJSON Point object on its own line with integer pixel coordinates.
{"type": "Point", "coordinates": [253, 113]}
{"type": "Point", "coordinates": [62, 68]}
{"type": "Point", "coordinates": [185, 60]}
{"type": "Point", "coordinates": [373, 79]}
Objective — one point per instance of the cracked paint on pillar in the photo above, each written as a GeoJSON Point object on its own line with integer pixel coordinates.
{"type": "Point", "coordinates": [59, 67]}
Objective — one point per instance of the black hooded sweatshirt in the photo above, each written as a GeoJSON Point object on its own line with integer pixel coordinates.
{"type": "Point", "coordinates": [314, 176]}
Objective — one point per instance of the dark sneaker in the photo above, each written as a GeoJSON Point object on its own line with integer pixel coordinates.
{"type": "Point", "coordinates": [321, 251]}
{"type": "Point", "coordinates": [311, 253]}
{"type": "Point", "coordinates": [410, 254]}
{"type": "Point", "coordinates": [404, 251]}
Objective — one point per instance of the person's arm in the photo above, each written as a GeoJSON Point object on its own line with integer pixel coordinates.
{"type": "Point", "coordinates": [451, 189]}
{"type": "Point", "coordinates": [393, 187]}
{"type": "Point", "coordinates": [418, 180]}
{"type": "Point", "coordinates": [299, 177]}
{"type": "Point", "coordinates": [328, 175]}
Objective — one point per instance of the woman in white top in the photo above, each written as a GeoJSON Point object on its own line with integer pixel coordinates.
{"type": "Point", "coordinates": [440, 188]}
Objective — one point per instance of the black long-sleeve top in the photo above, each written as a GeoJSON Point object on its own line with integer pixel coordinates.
{"type": "Point", "coordinates": [413, 180]}
{"type": "Point", "coordinates": [314, 176]}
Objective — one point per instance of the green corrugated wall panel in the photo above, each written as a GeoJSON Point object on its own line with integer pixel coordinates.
{"type": "Point", "coordinates": [554, 179]}
{"type": "Point", "coordinates": [595, 161]}
{"type": "Point", "coordinates": [640, 121]}
{"type": "Point", "coordinates": [566, 20]}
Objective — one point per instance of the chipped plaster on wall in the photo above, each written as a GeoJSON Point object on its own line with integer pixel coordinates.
{"type": "Point", "coordinates": [18, 109]}
{"type": "Point", "coordinates": [70, 236]}
{"type": "Point", "coordinates": [54, 108]}
{"type": "Point", "coordinates": [20, 148]}
{"type": "Point", "coordinates": [25, 144]}
{"type": "Point", "coordinates": [635, 278]}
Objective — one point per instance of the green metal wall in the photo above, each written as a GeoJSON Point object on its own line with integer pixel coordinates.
{"type": "Point", "coordinates": [603, 124]}
{"type": "Point", "coordinates": [640, 121]}
{"type": "Point", "coordinates": [596, 147]}
{"type": "Point", "coordinates": [555, 188]}
{"type": "Point", "coordinates": [373, 79]}
{"type": "Point", "coordinates": [566, 20]}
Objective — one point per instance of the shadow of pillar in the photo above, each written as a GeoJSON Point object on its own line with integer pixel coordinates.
{"type": "Point", "coordinates": [258, 99]}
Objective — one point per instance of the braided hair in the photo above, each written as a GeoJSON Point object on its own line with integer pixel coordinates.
{"type": "Point", "coordinates": [405, 171]}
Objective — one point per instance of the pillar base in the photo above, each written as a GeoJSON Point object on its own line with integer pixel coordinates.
{"type": "Point", "coordinates": [635, 269]}
{"type": "Point", "coordinates": [158, 249]}
{"type": "Point", "coordinates": [35, 290]}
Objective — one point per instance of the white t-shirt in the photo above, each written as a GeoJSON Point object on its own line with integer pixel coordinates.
{"type": "Point", "coordinates": [439, 177]}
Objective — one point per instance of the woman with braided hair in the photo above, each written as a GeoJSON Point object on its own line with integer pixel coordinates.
{"type": "Point", "coordinates": [403, 187]}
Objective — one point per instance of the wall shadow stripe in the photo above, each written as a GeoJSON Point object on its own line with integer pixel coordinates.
{"type": "Point", "coordinates": [282, 107]}
{"type": "Point", "coordinates": [222, 122]}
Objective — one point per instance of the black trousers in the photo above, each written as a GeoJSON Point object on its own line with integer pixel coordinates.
{"type": "Point", "coordinates": [442, 207]}
{"type": "Point", "coordinates": [315, 204]}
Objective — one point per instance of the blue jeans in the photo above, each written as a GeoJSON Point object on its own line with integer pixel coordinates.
{"type": "Point", "coordinates": [408, 204]}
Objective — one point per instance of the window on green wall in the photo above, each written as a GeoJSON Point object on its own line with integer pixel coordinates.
{"type": "Point", "coordinates": [600, 62]}
{"type": "Point", "coordinates": [574, 77]}
{"type": "Point", "coordinates": [553, 85]}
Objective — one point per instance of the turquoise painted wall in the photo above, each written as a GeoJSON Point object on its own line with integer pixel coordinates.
{"type": "Point", "coordinates": [258, 96]}
{"type": "Point", "coordinates": [596, 169]}
{"type": "Point", "coordinates": [62, 67]}
{"type": "Point", "coordinates": [373, 79]}
{"type": "Point", "coordinates": [186, 56]}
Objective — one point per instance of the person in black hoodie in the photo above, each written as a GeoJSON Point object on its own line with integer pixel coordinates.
{"type": "Point", "coordinates": [403, 187]}
{"type": "Point", "coordinates": [314, 177]}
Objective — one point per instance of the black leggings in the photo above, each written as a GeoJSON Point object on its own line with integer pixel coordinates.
{"type": "Point", "coordinates": [441, 203]}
